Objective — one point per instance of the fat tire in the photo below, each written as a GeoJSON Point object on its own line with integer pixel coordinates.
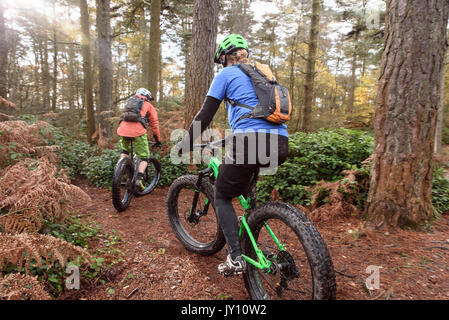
{"type": "Point", "coordinates": [152, 161]}
{"type": "Point", "coordinates": [323, 276]}
{"type": "Point", "coordinates": [121, 204]}
{"type": "Point", "coordinates": [191, 244]}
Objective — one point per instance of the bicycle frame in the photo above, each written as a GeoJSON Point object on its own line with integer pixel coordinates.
{"type": "Point", "coordinates": [135, 159]}
{"type": "Point", "coordinates": [263, 263]}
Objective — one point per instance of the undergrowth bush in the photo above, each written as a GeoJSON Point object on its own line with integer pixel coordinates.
{"type": "Point", "coordinates": [325, 156]}
{"type": "Point", "coordinates": [440, 192]}
{"type": "Point", "coordinates": [73, 155]}
{"type": "Point", "coordinates": [445, 135]}
{"type": "Point", "coordinates": [170, 171]}
{"type": "Point", "coordinates": [99, 168]}
{"type": "Point", "coordinates": [322, 155]}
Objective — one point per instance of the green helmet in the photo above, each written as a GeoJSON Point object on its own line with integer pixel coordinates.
{"type": "Point", "coordinates": [230, 44]}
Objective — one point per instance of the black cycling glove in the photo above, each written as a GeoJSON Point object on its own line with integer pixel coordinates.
{"type": "Point", "coordinates": [158, 143]}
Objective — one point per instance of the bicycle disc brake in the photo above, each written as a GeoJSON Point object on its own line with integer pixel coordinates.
{"type": "Point", "coordinates": [288, 270]}
{"type": "Point", "coordinates": [287, 265]}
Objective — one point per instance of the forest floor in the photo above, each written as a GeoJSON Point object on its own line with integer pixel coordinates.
{"type": "Point", "coordinates": [412, 265]}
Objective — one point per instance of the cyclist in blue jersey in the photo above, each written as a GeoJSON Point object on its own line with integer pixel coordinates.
{"type": "Point", "coordinates": [252, 142]}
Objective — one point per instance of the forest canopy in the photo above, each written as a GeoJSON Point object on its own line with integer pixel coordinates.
{"type": "Point", "coordinates": [44, 39]}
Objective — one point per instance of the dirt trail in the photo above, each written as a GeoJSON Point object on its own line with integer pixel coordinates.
{"type": "Point", "coordinates": [411, 265]}
{"type": "Point", "coordinates": [155, 263]}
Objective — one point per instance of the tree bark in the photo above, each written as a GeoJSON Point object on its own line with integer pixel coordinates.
{"type": "Point", "coordinates": [3, 55]}
{"type": "Point", "coordinates": [155, 42]}
{"type": "Point", "coordinates": [144, 60]}
{"type": "Point", "coordinates": [407, 104]}
{"type": "Point", "coordinates": [310, 72]}
{"type": "Point", "coordinates": [238, 18]}
{"type": "Point", "coordinates": [200, 70]}
{"type": "Point", "coordinates": [55, 61]}
{"type": "Point", "coordinates": [186, 49]}
{"type": "Point", "coordinates": [161, 82]}
{"type": "Point", "coordinates": [104, 62]}
{"type": "Point", "coordinates": [245, 18]}
{"type": "Point", "coordinates": [87, 70]}
{"type": "Point", "coordinates": [351, 97]}
{"type": "Point", "coordinates": [439, 130]}
{"type": "Point", "coordinates": [293, 56]}
{"type": "Point", "coordinates": [45, 74]}
{"type": "Point", "coordinates": [36, 77]}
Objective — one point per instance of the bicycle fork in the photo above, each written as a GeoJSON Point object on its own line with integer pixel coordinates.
{"type": "Point", "coordinates": [195, 215]}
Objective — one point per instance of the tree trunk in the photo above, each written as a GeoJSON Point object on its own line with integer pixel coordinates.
{"type": "Point", "coordinates": [239, 19]}
{"type": "Point", "coordinates": [155, 42]}
{"type": "Point", "coordinates": [45, 74]}
{"type": "Point", "coordinates": [200, 70]}
{"type": "Point", "coordinates": [407, 103]}
{"type": "Point", "coordinates": [3, 55]}
{"type": "Point", "coordinates": [244, 31]}
{"type": "Point", "coordinates": [186, 48]}
{"type": "Point", "coordinates": [161, 82]}
{"type": "Point", "coordinates": [55, 61]}
{"type": "Point", "coordinates": [144, 59]}
{"type": "Point", "coordinates": [351, 98]}
{"type": "Point", "coordinates": [310, 72]}
{"type": "Point", "coordinates": [36, 77]}
{"type": "Point", "coordinates": [439, 131]}
{"type": "Point", "coordinates": [85, 50]}
{"type": "Point", "coordinates": [104, 62]}
{"type": "Point", "coordinates": [293, 56]}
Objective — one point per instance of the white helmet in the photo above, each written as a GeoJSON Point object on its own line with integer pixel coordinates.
{"type": "Point", "coordinates": [144, 92]}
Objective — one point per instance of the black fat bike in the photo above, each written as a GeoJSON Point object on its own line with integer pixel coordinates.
{"type": "Point", "coordinates": [125, 173]}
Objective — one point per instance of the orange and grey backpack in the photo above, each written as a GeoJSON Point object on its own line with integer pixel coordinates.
{"type": "Point", "coordinates": [274, 100]}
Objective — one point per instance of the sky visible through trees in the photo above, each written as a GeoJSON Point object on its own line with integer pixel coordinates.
{"type": "Point", "coordinates": [170, 49]}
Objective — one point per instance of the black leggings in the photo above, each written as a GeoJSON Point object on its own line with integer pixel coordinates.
{"type": "Point", "coordinates": [234, 178]}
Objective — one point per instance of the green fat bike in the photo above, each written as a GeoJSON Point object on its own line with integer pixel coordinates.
{"type": "Point", "coordinates": [286, 256]}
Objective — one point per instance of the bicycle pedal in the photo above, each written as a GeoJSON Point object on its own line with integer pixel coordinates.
{"type": "Point", "coordinates": [230, 274]}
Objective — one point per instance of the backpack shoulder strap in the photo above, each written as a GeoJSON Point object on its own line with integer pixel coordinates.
{"type": "Point", "coordinates": [235, 103]}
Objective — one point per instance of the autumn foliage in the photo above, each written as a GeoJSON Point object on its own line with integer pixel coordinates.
{"type": "Point", "coordinates": [32, 190]}
{"type": "Point", "coordinates": [17, 286]}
